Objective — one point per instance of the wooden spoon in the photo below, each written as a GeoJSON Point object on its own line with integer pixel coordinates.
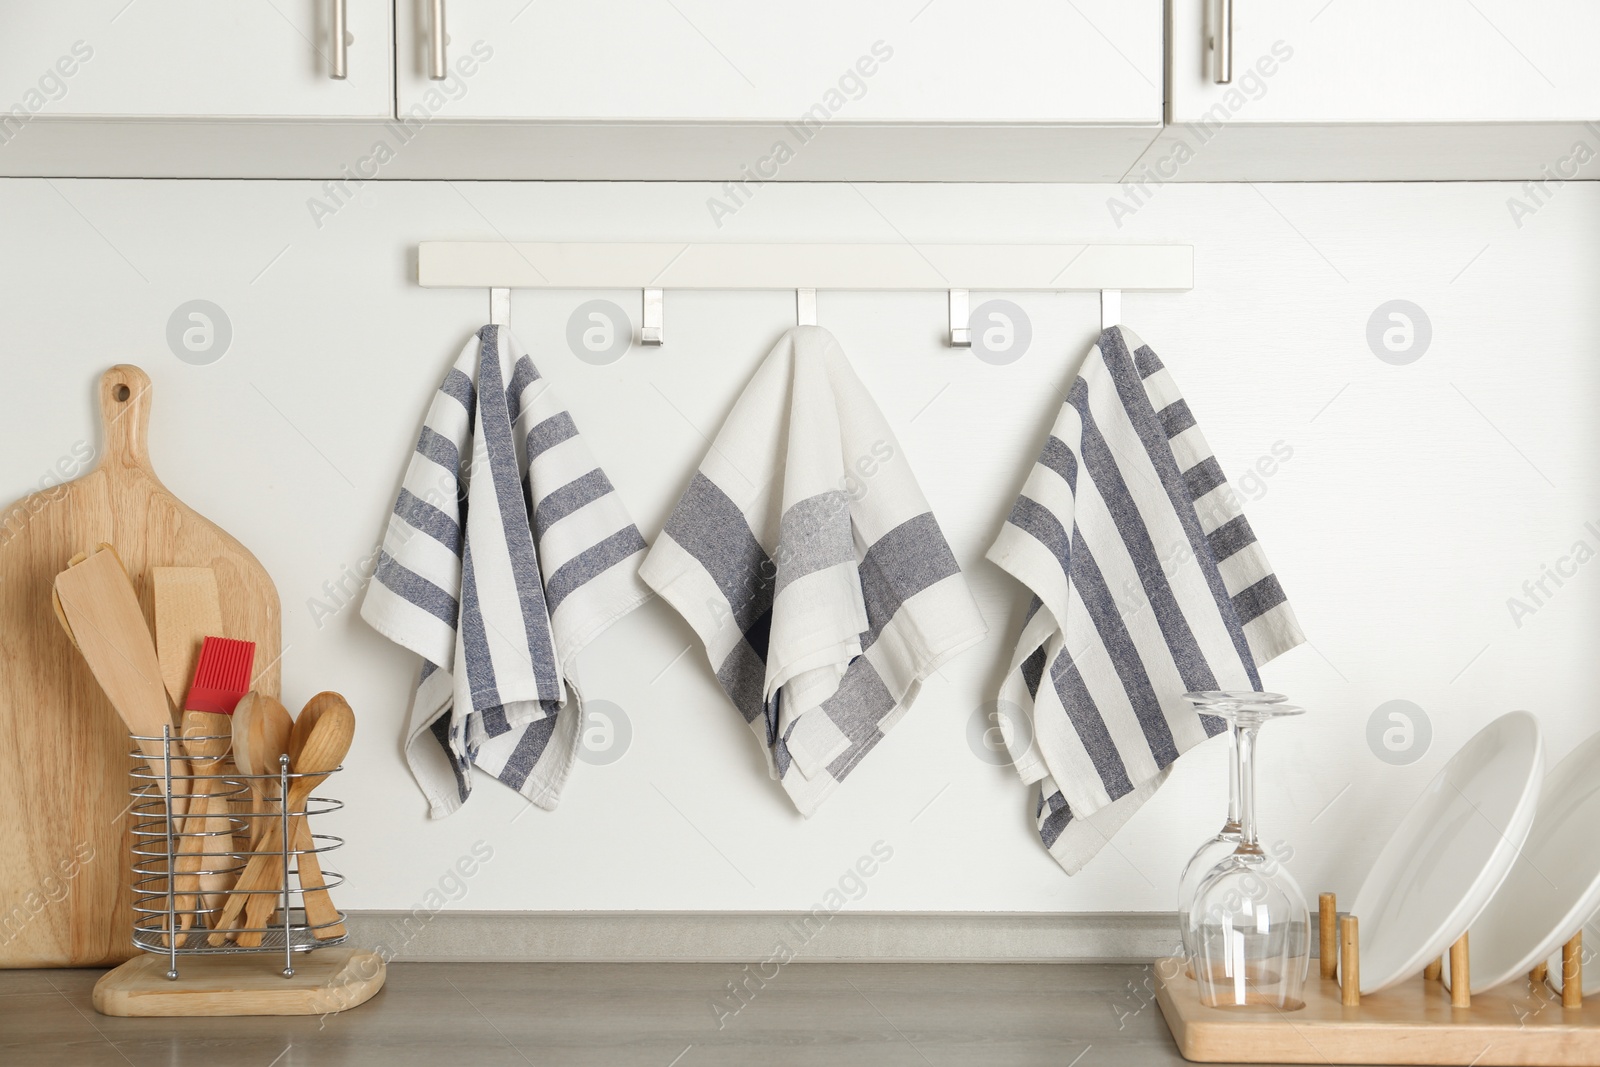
{"type": "Point", "coordinates": [326, 744]}
{"type": "Point", "coordinates": [250, 706]}
{"type": "Point", "coordinates": [243, 713]}
{"type": "Point", "coordinates": [321, 915]}
{"type": "Point", "coordinates": [321, 738]}
{"type": "Point", "coordinates": [261, 729]}
{"type": "Point", "coordinates": [270, 729]}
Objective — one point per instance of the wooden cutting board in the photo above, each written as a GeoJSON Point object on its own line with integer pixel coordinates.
{"type": "Point", "coordinates": [64, 832]}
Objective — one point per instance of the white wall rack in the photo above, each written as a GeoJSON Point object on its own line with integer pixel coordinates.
{"type": "Point", "coordinates": [501, 266]}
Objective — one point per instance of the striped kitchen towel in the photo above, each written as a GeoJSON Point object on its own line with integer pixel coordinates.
{"type": "Point", "coordinates": [804, 556]}
{"type": "Point", "coordinates": [1147, 583]}
{"type": "Point", "coordinates": [508, 551]}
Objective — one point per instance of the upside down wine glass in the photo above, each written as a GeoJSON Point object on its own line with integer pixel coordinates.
{"type": "Point", "coordinates": [1249, 924]}
{"type": "Point", "coordinates": [1220, 847]}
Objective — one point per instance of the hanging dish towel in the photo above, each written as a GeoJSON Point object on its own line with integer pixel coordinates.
{"type": "Point", "coordinates": [1148, 583]}
{"type": "Point", "coordinates": [805, 557]}
{"type": "Point", "coordinates": [508, 552]}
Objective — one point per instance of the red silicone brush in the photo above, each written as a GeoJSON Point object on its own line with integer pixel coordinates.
{"type": "Point", "coordinates": [221, 678]}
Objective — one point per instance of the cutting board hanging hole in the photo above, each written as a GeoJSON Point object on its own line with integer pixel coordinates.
{"type": "Point", "coordinates": [125, 418]}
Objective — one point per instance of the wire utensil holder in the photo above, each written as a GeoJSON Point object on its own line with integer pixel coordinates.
{"type": "Point", "coordinates": [168, 828]}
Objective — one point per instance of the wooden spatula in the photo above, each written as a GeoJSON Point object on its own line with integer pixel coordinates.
{"type": "Point", "coordinates": [101, 609]}
{"type": "Point", "coordinates": [188, 610]}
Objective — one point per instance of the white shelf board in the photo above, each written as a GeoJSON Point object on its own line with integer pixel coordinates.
{"type": "Point", "coordinates": [866, 267]}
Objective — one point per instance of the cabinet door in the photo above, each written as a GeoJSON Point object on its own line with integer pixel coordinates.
{"type": "Point", "coordinates": [1330, 61]}
{"type": "Point", "coordinates": [200, 58]}
{"type": "Point", "coordinates": [909, 61]}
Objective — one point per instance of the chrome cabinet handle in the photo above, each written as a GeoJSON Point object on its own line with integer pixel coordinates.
{"type": "Point", "coordinates": [1221, 41]}
{"type": "Point", "coordinates": [341, 48]}
{"type": "Point", "coordinates": [436, 62]}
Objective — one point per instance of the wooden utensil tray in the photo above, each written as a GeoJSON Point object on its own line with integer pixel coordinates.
{"type": "Point", "coordinates": [324, 983]}
{"type": "Point", "coordinates": [1522, 1023]}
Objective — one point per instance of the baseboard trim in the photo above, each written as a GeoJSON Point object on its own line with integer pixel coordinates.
{"type": "Point", "coordinates": [741, 937]}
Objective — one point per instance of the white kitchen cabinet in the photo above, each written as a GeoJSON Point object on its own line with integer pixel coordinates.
{"type": "Point", "coordinates": [191, 58]}
{"type": "Point", "coordinates": [827, 90]}
{"type": "Point", "coordinates": [1389, 61]}
{"type": "Point", "coordinates": [1091, 62]}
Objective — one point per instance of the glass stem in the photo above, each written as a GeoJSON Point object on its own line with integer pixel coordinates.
{"type": "Point", "coordinates": [1233, 780]}
{"type": "Point", "coordinates": [1249, 842]}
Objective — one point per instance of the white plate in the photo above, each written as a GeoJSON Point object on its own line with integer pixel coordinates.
{"type": "Point", "coordinates": [1451, 852]}
{"type": "Point", "coordinates": [1554, 885]}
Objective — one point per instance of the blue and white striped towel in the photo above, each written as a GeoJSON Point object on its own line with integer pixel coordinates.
{"type": "Point", "coordinates": [1148, 582]}
{"type": "Point", "coordinates": [805, 557]}
{"type": "Point", "coordinates": [549, 559]}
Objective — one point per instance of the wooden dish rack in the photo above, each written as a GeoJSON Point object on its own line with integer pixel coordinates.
{"type": "Point", "coordinates": [1518, 1024]}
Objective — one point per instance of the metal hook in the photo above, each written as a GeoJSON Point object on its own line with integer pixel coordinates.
{"type": "Point", "coordinates": [1110, 308]}
{"type": "Point", "coordinates": [960, 320]}
{"type": "Point", "coordinates": [805, 307]}
{"type": "Point", "coordinates": [650, 331]}
{"type": "Point", "coordinates": [500, 307]}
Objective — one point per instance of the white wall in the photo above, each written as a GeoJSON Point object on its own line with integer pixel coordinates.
{"type": "Point", "coordinates": [1417, 500]}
